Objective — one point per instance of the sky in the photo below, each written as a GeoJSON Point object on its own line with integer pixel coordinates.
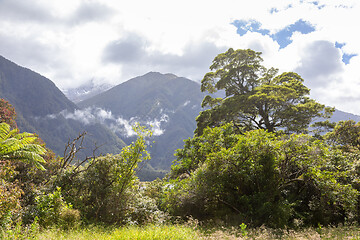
{"type": "Point", "coordinates": [72, 42]}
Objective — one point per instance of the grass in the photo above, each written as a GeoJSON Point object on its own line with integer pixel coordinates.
{"type": "Point", "coordinates": [151, 232]}
{"type": "Point", "coordinates": [180, 232]}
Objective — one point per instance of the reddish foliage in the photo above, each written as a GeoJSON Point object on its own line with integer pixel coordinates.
{"type": "Point", "coordinates": [7, 113]}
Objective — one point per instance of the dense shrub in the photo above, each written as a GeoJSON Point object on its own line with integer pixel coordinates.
{"type": "Point", "coordinates": [106, 188]}
{"type": "Point", "coordinates": [10, 195]}
{"type": "Point", "coordinates": [51, 209]}
{"type": "Point", "coordinates": [261, 178]}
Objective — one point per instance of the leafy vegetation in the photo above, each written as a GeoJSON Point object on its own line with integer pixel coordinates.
{"type": "Point", "coordinates": [249, 163]}
{"type": "Point", "coordinates": [256, 97]}
{"type": "Point", "coordinates": [260, 178]}
{"type": "Point", "coordinates": [250, 171]}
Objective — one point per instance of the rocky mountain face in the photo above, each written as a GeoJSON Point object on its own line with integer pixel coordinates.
{"type": "Point", "coordinates": [43, 109]}
{"type": "Point", "coordinates": [165, 103]}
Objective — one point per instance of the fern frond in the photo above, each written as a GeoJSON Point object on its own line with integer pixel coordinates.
{"type": "Point", "coordinates": [10, 145]}
{"type": "Point", "coordinates": [4, 130]}
{"type": "Point", "coordinates": [20, 146]}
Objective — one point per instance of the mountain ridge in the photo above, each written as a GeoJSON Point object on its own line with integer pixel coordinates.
{"type": "Point", "coordinates": [150, 98]}
{"type": "Point", "coordinates": [37, 100]}
{"type": "Point", "coordinates": [165, 103]}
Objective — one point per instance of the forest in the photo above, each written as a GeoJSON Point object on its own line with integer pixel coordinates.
{"type": "Point", "coordinates": [264, 162]}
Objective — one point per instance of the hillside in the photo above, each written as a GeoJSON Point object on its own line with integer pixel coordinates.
{"type": "Point", "coordinates": [43, 109]}
{"type": "Point", "coordinates": [167, 103]}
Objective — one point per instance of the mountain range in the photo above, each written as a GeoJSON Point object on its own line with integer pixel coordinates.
{"type": "Point", "coordinates": [85, 91]}
{"type": "Point", "coordinates": [164, 103]}
{"type": "Point", "coordinates": [43, 109]}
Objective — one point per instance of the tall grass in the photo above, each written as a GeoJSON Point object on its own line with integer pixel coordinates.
{"type": "Point", "coordinates": [182, 232]}
{"type": "Point", "coordinates": [151, 232]}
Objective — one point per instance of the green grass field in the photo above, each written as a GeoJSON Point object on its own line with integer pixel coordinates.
{"type": "Point", "coordinates": [183, 232]}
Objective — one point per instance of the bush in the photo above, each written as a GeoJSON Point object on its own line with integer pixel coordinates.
{"type": "Point", "coordinates": [144, 210]}
{"type": "Point", "coordinates": [51, 209]}
{"type": "Point", "coordinates": [261, 178]}
{"type": "Point", "coordinates": [103, 189]}
{"type": "Point", "coordinates": [69, 218]}
{"type": "Point", "coordinates": [10, 196]}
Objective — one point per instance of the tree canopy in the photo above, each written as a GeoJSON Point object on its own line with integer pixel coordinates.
{"type": "Point", "coordinates": [256, 97]}
{"type": "Point", "coordinates": [262, 178]}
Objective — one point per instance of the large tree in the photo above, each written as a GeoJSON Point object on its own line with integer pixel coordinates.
{"type": "Point", "coordinates": [255, 97]}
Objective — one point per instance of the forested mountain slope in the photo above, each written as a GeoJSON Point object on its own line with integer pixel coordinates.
{"type": "Point", "coordinates": [43, 109]}
{"type": "Point", "coordinates": [166, 103]}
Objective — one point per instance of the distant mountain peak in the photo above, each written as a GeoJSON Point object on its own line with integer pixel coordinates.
{"type": "Point", "coordinates": [170, 75]}
{"type": "Point", "coordinates": [158, 75]}
{"type": "Point", "coordinates": [86, 90]}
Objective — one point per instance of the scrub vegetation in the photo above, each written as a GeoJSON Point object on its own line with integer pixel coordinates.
{"type": "Point", "coordinates": [252, 170]}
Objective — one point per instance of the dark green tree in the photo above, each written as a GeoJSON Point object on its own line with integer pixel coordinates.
{"type": "Point", "coordinates": [256, 97]}
{"type": "Point", "coordinates": [261, 178]}
{"type": "Point", "coordinates": [345, 135]}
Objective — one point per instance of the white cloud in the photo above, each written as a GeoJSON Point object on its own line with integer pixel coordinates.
{"type": "Point", "coordinates": [118, 124]}
{"type": "Point", "coordinates": [156, 124]}
{"type": "Point", "coordinates": [186, 103]}
{"type": "Point", "coordinates": [125, 127]}
{"type": "Point", "coordinates": [85, 116]}
{"type": "Point", "coordinates": [73, 41]}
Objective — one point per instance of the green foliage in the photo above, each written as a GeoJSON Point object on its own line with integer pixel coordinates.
{"type": "Point", "coordinates": [144, 210]}
{"type": "Point", "coordinates": [256, 97]}
{"type": "Point", "coordinates": [260, 178]}
{"type": "Point", "coordinates": [243, 227]}
{"type": "Point", "coordinates": [104, 189]}
{"type": "Point", "coordinates": [20, 146]}
{"type": "Point", "coordinates": [10, 194]}
{"type": "Point", "coordinates": [51, 209]}
{"type": "Point", "coordinates": [346, 135]}
{"type": "Point", "coordinates": [15, 147]}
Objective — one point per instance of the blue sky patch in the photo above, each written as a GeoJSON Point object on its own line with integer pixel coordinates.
{"type": "Point", "coordinates": [339, 45]}
{"type": "Point", "coordinates": [345, 57]}
{"type": "Point", "coordinates": [282, 37]}
{"type": "Point", "coordinates": [316, 3]}
{"type": "Point", "coordinates": [249, 26]}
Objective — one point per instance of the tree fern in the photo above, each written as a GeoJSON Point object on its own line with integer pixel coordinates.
{"type": "Point", "coordinates": [20, 146]}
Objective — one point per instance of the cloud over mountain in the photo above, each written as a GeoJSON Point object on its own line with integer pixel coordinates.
{"type": "Point", "coordinates": [118, 124]}
{"type": "Point", "coordinates": [73, 41]}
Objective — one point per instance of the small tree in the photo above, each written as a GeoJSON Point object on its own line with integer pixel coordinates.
{"type": "Point", "coordinates": [103, 189]}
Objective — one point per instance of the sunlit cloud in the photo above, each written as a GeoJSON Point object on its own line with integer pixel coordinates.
{"type": "Point", "coordinates": [74, 41]}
